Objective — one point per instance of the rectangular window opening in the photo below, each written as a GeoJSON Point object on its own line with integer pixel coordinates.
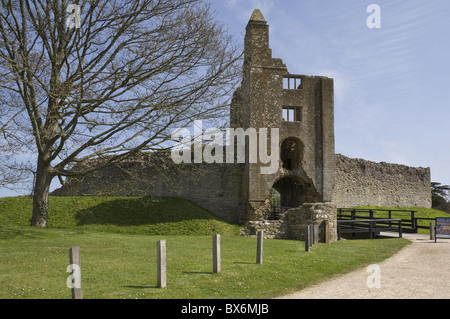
{"type": "Point", "coordinates": [292, 113]}
{"type": "Point", "coordinates": [291, 83]}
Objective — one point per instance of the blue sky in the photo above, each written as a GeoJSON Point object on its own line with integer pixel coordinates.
{"type": "Point", "coordinates": [392, 86]}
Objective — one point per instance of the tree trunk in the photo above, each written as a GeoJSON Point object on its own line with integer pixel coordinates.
{"type": "Point", "coordinates": [40, 197]}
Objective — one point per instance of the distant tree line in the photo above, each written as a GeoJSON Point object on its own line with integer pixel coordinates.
{"type": "Point", "coordinates": [440, 196]}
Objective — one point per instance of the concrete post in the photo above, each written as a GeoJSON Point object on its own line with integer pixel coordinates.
{"type": "Point", "coordinates": [161, 260]}
{"type": "Point", "coordinates": [316, 233]}
{"type": "Point", "coordinates": [216, 253]}
{"type": "Point", "coordinates": [75, 268]}
{"type": "Point", "coordinates": [259, 247]}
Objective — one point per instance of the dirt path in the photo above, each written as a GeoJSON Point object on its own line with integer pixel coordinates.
{"type": "Point", "coordinates": [419, 271]}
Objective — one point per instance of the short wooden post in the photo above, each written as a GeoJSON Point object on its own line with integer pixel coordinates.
{"type": "Point", "coordinates": [432, 231]}
{"type": "Point", "coordinates": [216, 253]}
{"type": "Point", "coordinates": [161, 260]}
{"type": "Point", "coordinates": [307, 237]}
{"type": "Point", "coordinates": [259, 247]}
{"type": "Point", "coordinates": [75, 269]}
{"type": "Point", "coordinates": [400, 229]}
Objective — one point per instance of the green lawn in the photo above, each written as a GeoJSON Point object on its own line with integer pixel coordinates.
{"type": "Point", "coordinates": [33, 264]}
{"type": "Point", "coordinates": [118, 237]}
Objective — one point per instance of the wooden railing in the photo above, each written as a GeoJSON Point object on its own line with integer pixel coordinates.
{"type": "Point", "coordinates": [371, 226]}
{"type": "Point", "coordinates": [409, 221]}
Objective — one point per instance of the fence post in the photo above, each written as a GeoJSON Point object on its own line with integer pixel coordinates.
{"type": "Point", "coordinates": [432, 231]}
{"type": "Point", "coordinates": [307, 237]}
{"type": "Point", "coordinates": [390, 217]}
{"type": "Point", "coordinates": [216, 253]}
{"type": "Point", "coordinates": [338, 230]}
{"type": "Point", "coordinates": [400, 229]}
{"type": "Point", "coordinates": [259, 247]}
{"type": "Point", "coordinates": [75, 269]}
{"type": "Point", "coordinates": [161, 260]}
{"type": "Point", "coordinates": [371, 229]}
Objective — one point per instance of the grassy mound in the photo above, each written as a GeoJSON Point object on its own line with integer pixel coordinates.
{"type": "Point", "coordinates": [132, 215]}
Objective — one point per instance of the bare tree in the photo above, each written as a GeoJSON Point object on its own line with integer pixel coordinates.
{"type": "Point", "coordinates": [113, 85]}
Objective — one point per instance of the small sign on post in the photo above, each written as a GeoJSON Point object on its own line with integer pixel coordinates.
{"type": "Point", "coordinates": [216, 253]}
{"type": "Point", "coordinates": [442, 228]}
{"type": "Point", "coordinates": [259, 247]}
{"type": "Point", "coordinates": [161, 261]}
{"type": "Point", "coordinates": [74, 280]}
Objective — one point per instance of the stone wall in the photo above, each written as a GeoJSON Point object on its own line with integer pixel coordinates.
{"type": "Point", "coordinates": [360, 182]}
{"type": "Point", "coordinates": [218, 187]}
{"type": "Point", "coordinates": [293, 223]}
{"type": "Point", "coordinates": [215, 187]}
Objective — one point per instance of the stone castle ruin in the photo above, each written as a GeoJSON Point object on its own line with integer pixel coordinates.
{"type": "Point", "coordinates": [311, 180]}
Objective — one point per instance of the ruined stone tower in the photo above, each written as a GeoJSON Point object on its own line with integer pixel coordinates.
{"type": "Point", "coordinates": [302, 108]}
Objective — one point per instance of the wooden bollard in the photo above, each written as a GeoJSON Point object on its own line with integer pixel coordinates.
{"type": "Point", "coordinates": [259, 247]}
{"type": "Point", "coordinates": [74, 280]}
{"type": "Point", "coordinates": [216, 253]}
{"type": "Point", "coordinates": [161, 261]}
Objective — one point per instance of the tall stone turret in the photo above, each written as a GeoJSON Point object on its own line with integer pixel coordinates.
{"type": "Point", "coordinates": [302, 109]}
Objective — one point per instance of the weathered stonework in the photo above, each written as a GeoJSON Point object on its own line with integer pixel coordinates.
{"type": "Point", "coordinates": [312, 214]}
{"type": "Point", "coordinates": [306, 140]}
{"type": "Point", "coordinates": [364, 183]}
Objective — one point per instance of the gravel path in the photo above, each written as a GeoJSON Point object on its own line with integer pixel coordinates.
{"type": "Point", "coordinates": [419, 271]}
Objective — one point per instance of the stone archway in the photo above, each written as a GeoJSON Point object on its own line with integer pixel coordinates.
{"type": "Point", "coordinates": [293, 192]}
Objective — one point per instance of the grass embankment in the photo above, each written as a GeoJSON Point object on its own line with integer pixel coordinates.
{"type": "Point", "coordinates": [130, 215]}
{"type": "Point", "coordinates": [118, 239]}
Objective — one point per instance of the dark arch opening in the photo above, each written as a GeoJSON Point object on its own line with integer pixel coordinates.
{"type": "Point", "coordinates": [291, 153]}
{"type": "Point", "coordinates": [287, 192]}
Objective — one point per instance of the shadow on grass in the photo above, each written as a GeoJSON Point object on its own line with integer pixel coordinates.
{"type": "Point", "coordinates": [11, 233]}
{"type": "Point", "coordinates": [198, 272]}
{"type": "Point", "coordinates": [141, 287]}
{"type": "Point", "coordinates": [142, 211]}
